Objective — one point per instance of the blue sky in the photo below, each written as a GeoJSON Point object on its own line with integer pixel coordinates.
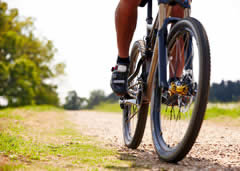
{"type": "Point", "coordinates": [84, 34]}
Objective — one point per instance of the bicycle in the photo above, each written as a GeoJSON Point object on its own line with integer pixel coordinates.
{"type": "Point", "coordinates": [171, 69]}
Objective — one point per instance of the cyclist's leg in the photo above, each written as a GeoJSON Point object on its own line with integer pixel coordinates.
{"type": "Point", "coordinates": [178, 59]}
{"type": "Point", "coordinates": [177, 11]}
{"type": "Point", "coordinates": [125, 20]}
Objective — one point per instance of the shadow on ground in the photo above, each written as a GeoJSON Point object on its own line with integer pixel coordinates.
{"type": "Point", "coordinates": [148, 159]}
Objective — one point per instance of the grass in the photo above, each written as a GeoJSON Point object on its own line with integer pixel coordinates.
{"type": "Point", "coordinates": [8, 113]}
{"type": "Point", "coordinates": [11, 167]}
{"type": "Point", "coordinates": [108, 107]}
{"type": "Point", "coordinates": [33, 139]}
{"type": "Point", "coordinates": [214, 110]}
{"type": "Point", "coordinates": [42, 108]}
{"type": "Point", "coordinates": [14, 146]}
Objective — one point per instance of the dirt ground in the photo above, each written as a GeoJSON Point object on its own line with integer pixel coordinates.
{"type": "Point", "coordinates": [217, 147]}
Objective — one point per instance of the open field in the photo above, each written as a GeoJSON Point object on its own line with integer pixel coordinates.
{"type": "Point", "coordinates": [42, 138]}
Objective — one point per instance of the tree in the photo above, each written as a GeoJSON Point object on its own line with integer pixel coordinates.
{"type": "Point", "coordinates": [96, 97]}
{"type": "Point", "coordinates": [47, 93]}
{"type": "Point", "coordinates": [73, 101]}
{"type": "Point", "coordinates": [112, 98]}
{"type": "Point", "coordinates": [226, 91]}
{"type": "Point", "coordinates": [26, 62]}
{"type": "Point", "coordinates": [22, 83]}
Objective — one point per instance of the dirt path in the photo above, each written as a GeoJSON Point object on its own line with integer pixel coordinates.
{"type": "Point", "coordinates": [217, 147]}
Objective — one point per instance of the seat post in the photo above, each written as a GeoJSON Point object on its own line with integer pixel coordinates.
{"type": "Point", "coordinates": [149, 13]}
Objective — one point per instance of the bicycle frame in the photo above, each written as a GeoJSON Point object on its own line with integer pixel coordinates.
{"type": "Point", "coordinates": [159, 59]}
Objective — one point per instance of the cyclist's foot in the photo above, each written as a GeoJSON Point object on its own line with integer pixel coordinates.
{"type": "Point", "coordinates": [119, 79]}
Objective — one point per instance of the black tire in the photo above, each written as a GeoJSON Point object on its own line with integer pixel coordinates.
{"type": "Point", "coordinates": [132, 139]}
{"type": "Point", "coordinates": [177, 149]}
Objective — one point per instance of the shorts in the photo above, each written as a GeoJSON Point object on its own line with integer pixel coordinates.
{"type": "Point", "coordinates": [143, 3]}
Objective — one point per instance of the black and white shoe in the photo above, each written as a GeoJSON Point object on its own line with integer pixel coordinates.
{"type": "Point", "coordinates": [119, 79]}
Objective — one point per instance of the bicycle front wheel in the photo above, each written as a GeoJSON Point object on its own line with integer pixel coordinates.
{"type": "Point", "coordinates": [177, 113]}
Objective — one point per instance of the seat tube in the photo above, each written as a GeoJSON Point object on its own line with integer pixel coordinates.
{"type": "Point", "coordinates": [162, 14]}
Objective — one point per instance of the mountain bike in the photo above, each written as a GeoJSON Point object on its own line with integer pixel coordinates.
{"type": "Point", "coordinates": [169, 68]}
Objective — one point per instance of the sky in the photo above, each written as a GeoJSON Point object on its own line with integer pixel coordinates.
{"type": "Point", "coordinates": [84, 34]}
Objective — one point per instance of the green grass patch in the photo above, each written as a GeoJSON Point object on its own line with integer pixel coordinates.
{"type": "Point", "coordinates": [8, 167]}
{"type": "Point", "coordinates": [85, 150]}
{"type": "Point", "coordinates": [214, 112]}
{"type": "Point", "coordinates": [42, 108]}
{"type": "Point", "coordinates": [15, 146]}
{"type": "Point", "coordinates": [108, 107]}
{"type": "Point", "coordinates": [80, 150]}
{"type": "Point", "coordinates": [14, 113]}
{"type": "Point", "coordinates": [66, 131]}
{"type": "Point", "coordinates": [70, 149]}
{"type": "Point", "coordinates": [10, 114]}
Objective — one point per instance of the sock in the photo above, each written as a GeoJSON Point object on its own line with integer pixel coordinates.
{"type": "Point", "coordinates": [123, 60]}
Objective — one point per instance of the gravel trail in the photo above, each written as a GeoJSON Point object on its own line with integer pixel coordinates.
{"type": "Point", "coordinates": [217, 147]}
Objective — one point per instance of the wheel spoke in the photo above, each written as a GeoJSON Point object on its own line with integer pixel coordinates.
{"type": "Point", "coordinates": [132, 116]}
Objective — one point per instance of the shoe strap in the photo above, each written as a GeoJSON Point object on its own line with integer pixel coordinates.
{"type": "Point", "coordinates": [120, 68]}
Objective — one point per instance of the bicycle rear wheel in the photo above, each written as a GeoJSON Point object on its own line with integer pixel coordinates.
{"type": "Point", "coordinates": [135, 115]}
{"type": "Point", "coordinates": [177, 114]}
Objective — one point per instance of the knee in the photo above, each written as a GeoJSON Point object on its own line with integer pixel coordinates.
{"type": "Point", "coordinates": [130, 4]}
